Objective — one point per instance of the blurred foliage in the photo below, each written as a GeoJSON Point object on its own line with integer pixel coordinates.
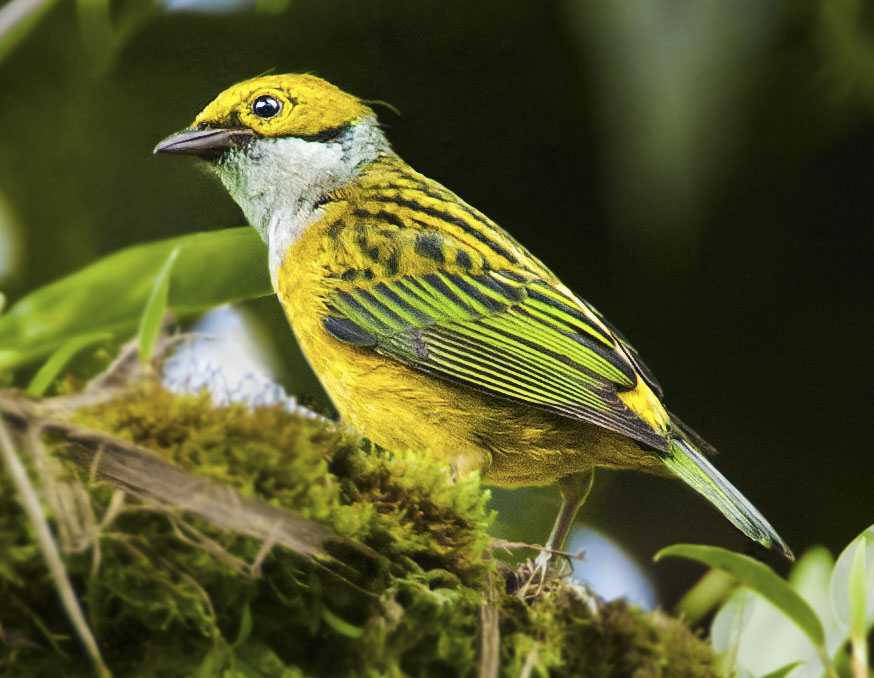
{"type": "Point", "coordinates": [214, 268]}
{"type": "Point", "coordinates": [801, 627]}
{"type": "Point", "coordinates": [699, 170]}
{"type": "Point", "coordinates": [761, 579]}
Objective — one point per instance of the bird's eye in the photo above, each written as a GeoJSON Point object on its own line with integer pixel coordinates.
{"type": "Point", "coordinates": [266, 106]}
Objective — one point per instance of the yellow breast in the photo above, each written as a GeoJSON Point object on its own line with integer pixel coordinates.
{"type": "Point", "coordinates": [393, 405]}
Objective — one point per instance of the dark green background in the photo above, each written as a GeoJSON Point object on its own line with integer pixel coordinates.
{"type": "Point", "coordinates": [701, 173]}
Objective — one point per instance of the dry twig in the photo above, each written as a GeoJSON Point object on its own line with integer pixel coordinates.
{"type": "Point", "coordinates": [31, 505]}
{"type": "Point", "coordinates": [144, 474]}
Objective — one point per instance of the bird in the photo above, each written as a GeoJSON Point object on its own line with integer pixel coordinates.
{"type": "Point", "coordinates": [429, 326]}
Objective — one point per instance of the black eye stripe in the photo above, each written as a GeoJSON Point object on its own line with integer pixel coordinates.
{"type": "Point", "coordinates": [266, 106]}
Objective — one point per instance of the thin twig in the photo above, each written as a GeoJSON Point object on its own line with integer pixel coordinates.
{"type": "Point", "coordinates": [109, 515]}
{"type": "Point", "coordinates": [508, 546]}
{"type": "Point", "coordinates": [530, 658]}
{"type": "Point", "coordinates": [67, 500]}
{"type": "Point", "coordinates": [199, 540]}
{"type": "Point", "coordinates": [49, 548]}
{"type": "Point", "coordinates": [490, 633]}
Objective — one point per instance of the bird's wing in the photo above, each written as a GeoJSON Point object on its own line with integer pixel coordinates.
{"type": "Point", "coordinates": [513, 335]}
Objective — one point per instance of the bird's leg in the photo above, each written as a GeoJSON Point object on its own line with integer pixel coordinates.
{"type": "Point", "coordinates": [574, 490]}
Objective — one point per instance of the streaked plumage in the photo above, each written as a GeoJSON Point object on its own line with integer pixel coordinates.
{"type": "Point", "coordinates": [428, 324]}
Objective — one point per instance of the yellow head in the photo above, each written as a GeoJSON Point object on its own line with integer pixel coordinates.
{"type": "Point", "coordinates": [284, 106]}
{"type": "Point", "coordinates": [271, 106]}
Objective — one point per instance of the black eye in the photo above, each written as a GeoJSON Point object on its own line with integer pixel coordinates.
{"type": "Point", "coordinates": [266, 106]}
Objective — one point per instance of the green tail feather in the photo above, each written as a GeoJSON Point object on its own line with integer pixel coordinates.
{"type": "Point", "coordinates": [692, 466]}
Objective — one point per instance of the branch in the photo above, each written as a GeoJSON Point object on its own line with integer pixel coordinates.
{"type": "Point", "coordinates": [142, 473]}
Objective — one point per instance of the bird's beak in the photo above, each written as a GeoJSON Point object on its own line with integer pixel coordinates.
{"type": "Point", "coordinates": [205, 143]}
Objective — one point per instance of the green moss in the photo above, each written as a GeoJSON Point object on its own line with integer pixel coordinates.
{"type": "Point", "coordinates": [163, 606]}
{"type": "Point", "coordinates": [568, 633]}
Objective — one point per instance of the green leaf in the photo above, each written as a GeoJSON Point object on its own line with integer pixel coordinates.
{"type": "Point", "coordinates": [2, 302]}
{"type": "Point", "coordinates": [245, 627]}
{"type": "Point", "coordinates": [211, 663]}
{"type": "Point", "coordinates": [156, 307]}
{"type": "Point", "coordinates": [95, 27]}
{"type": "Point", "coordinates": [212, 268]}
{"type": "Point", "coordinates": [858, 589]}
{"type": "Point", "coordinates": [728, 626]}
{"type": "Point", "coordinates": [53, 366]}
{"type": "Point", "coordinates": [810, 574]}
{"type": "Point", "coordinates": [758, 577]}
{"type": "Point", "coordinates": [783, 671]}
{"type": "Point", "coordinates": [341, 626]}
{"type": "Point", "coordinates": [841, 590]}
{"type": "Point", "coordinates": [17, 20]}
{"type": "Point", "coordinates": [858, 594]}
{"type": "Point", "coordinates": [711, 590]}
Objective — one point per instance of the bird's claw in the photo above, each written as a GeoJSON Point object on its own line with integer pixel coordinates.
{"type": "Point", "coordinates": [538, 573]}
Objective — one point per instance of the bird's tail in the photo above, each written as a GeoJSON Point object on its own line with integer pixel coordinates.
{"type": "Point", "coordinates": [688, 463]}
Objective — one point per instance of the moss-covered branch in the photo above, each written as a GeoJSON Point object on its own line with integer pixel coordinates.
{"type": "Point", "coordinates": [254, 542]}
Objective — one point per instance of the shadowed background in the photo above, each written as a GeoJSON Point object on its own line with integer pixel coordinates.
{"type": "Point", "coordinates": [700, 172]}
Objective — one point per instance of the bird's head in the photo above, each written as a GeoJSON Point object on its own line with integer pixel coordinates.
{"type": "Point", "coordinates": [269, 107]}
{"type": "Point", "coordinates": [281, 144]}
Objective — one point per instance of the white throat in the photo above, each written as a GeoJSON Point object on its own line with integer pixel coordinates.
{"type": "Point", "coordinates": [280, 182]}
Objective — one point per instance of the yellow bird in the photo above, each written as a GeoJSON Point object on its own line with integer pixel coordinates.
{"type": "Point", "coordinates": [428, 324]}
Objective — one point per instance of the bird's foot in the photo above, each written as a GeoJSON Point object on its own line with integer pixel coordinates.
{"type": "Point", "coordinates": [536, 575]}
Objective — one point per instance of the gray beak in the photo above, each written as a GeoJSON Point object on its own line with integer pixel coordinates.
{"type": "Point", "coordinates": [205, 143]}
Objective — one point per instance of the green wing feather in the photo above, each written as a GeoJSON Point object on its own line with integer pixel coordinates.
{"type": "Point", "coordinates": [524, 338]}
{"type": "Point", "coordinates": [513, 336]}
